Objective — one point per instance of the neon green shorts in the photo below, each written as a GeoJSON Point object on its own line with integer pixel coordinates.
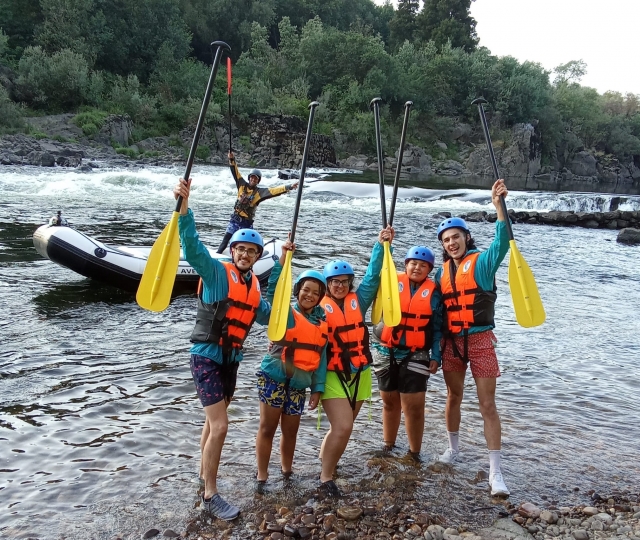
{"type": "Point", "coordinates": [333, 387]}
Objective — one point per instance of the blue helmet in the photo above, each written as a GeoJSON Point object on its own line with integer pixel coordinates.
{"type": "Point", "coordinates": [310, 274]}
{"type": "Point", "coordinates": [420, 253]}
{"type": "Point", "coordinates": [338, 268]}
{"type": "Point", "coordinates": [452, 223]}
{"type": "Point", "coordinates": [247, 235]}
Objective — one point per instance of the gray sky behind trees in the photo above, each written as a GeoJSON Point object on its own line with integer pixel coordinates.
{"type": "Point", "coordinates": [553, 32]}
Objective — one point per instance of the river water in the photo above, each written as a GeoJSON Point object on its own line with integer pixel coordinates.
{"type": "Point", "coordinates": [99, 421]}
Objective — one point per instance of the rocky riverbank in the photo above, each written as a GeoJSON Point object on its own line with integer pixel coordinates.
{"type": "Point", "coordinates": [278, 141]}
{"type": "Point", "coordinates": [408, 503]}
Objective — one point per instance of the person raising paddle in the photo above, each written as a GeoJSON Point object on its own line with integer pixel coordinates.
{"type": "Point", "coordinates": [229, 304]}
{"type": "Point", "coordinates": [249, 196]}
{"type": "Point", "coordinates": [348, 381]}
{"type": "Point", "coordinates": [402, 361]}
{"type": "Point", "coordinates": [467, 283]}
{"type": "Point", "coordinates": [296, 362]}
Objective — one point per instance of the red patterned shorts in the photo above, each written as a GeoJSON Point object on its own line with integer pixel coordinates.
{"type": "Point", "coordinates": [481, 352]}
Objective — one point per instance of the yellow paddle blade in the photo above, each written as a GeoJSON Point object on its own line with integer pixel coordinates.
{"type": "Point", "coordinates": [281, 303]}
{"type": "Point", "coordinates": [376, 309]}
{"type": "Point", "coordinates": [156, 285]}
{"type": "Point", "coordinates": [524, 291]}
{"type": "Point", "coordinates": [391, 313]}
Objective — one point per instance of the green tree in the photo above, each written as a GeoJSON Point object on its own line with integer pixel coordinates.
{"type": "Point", "coordinates": [448, 20]}
{"type": "Point", "coordinates": [55, 82]}
{"type": "Point", "coordinates": [402, 26]}
{"type": "Point", "coordinates": [135, 33]}
{"type": "Point", "coordinates": [76, 25]}
{"type": "Point", "coordinates": [18, 19]}
{"type": "Point", "coordinates": [571, 72]}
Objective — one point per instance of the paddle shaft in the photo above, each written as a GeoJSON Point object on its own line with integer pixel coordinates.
{"type": "Point", "coordinates": [375, 104]}
{"type": "Point", "coordinates": [229, 94]}
{"type": "Point", "coordinates": [396, 183]}
{"type": "Point", "coordinates": [494, 163]}
{"type": "Point", "coordinates": [220, 46]}
{"type": "Point", "coordinates": [303, 168]}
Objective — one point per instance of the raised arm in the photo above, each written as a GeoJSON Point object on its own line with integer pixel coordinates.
{"type": "Point", "coordinates": [235, 172]}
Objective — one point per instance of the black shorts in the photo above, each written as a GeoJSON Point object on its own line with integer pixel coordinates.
{"type": "Point", "coordinates": [408, 376]}
{"type": "Point", "coordinates": [213, 381]}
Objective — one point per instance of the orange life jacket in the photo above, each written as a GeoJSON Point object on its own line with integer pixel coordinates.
{"type": "Point", "coordinates": [303, 343]}
{"type": "Point", "coordinates": [466, 304]}
{"type": "Point", "coordinates": [227, 322]}
{"type": "Point", "coordinates": [348, 335]}
{"type": "Point", "coordinates": [415, 324]}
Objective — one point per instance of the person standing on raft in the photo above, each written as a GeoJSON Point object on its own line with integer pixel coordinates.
{"type": "Point", "coordinates": [402, 361]}
{"type": "Point", "coordinates": [229, 304]}
{"type": "Point", "coordinates": [249, 196]}
{"type": "Point", "coordinates": [467, 283]}
{"type": "Point", "coordinates": [348, 354]}
{"type": "Point", "coordinates": [296, 362]}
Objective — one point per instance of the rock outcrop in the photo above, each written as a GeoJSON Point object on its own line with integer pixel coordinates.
{"type": "Point", "coordinates": [519, 157]}
{"type": "Point", "coordinates": [590, 220]}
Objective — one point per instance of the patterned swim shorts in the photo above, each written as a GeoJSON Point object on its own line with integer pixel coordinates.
{"type": "Point", "coordinates": [481, 352]}
{"type": "Point", "coordinates": [275, 395]}
{"type": "Point", "coordinates": [211, 379]}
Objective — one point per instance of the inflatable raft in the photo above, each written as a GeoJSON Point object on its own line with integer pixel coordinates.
{"type": "Point", "coordinates": [122, 266]}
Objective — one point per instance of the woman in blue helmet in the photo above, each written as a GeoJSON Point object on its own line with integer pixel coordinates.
{"type": "Point", "coordinates": [467, 283]}
{"type": "Point", "coordinates": [403, 363]}
{"type": "Point", "coordinates": [228, 306]}
{"type": "Point", "coordinates": [293, 364]}
{"type": "Point", "coordinates": [348, 354]}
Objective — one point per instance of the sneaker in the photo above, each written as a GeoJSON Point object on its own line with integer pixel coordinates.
{"type": "Point", "coordinates": [220, 508]}
{"type": "Point", "coordinates": [450, 456]}
{"type": "Point", "coordinates": [498, 487]}
{"type": "Point", "coordinates": [330, 489]}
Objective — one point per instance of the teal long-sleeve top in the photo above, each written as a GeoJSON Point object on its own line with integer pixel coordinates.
{"type": "Point", "coordinates": [401, 353]}
{"type": "Point", "coordinates": [215, 283]}
{"type": "Point", "coordinates": [487, 265]}
{"type": "Point", "coordinates": [272, 363]}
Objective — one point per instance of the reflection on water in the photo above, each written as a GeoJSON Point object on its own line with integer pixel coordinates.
{"type": "Point", "coordinates": [99, 423]}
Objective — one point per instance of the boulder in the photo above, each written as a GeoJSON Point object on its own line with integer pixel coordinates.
{"type": "Point", "coordinates": [118, 127]}
{"type": "Point", "coordinates": [520, 157]}
{"type": "Point", "coordinates": [583, 164]}
{"type": "Point", "coordinates": [629, 236]}
{"type": "Point", "coordinates": [462, 132]}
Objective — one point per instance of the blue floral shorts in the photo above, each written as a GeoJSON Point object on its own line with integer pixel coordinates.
{"type": "Point", "coordinates": [274, 394]}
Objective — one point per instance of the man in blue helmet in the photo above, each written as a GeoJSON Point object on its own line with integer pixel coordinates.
{"type": "Point", "coordinates": [249, 196]}
{"type": "Point", "coordinates": [403, 361]}
{"type": "Point", "coordinates": [467, 283]}
{"type": "Point", "coordinates": [228, 306]}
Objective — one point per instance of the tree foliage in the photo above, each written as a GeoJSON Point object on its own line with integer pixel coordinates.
{"type": "Point", "coordinates": [151, 59]}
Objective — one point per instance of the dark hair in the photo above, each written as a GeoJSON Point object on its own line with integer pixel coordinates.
{"type": "Point", "coordinates": [298, 287]}
{"type": "Point", "coordinates": [470, 244]}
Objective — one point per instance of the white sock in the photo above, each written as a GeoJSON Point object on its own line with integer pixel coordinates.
{"type": "Point", "coordinates": [453, 440]}
{"type": "Point", "coordinates": [494, 461]}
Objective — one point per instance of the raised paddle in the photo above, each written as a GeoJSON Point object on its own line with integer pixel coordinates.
{"type": "Point", "coordinates": [282, 296]}
{"type": "Point", "coordinates": [156, 284]}
{"type": "Point", "coordinates": [524, 291]}
{"type": "Point", "coordinates": [389, 293]}
{"type": "Point", "coordinates": [376, 309]}
{"type": "Point", "coordinates": [229, 94]}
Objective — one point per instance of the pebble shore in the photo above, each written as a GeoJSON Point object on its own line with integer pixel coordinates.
{"type": "Point", "coordinates": [402, 501]}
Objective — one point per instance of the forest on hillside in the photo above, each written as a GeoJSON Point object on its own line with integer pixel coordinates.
{"type": "Point", "coordinates": [151, 60]}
